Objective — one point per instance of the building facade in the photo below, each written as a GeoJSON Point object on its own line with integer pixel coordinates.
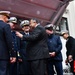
{"type": "Point", "coordinates": [68, 23]}
{"type": "Point", "coordinates": [69, 14]}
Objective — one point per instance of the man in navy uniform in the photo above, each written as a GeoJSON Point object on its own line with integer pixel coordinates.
{"type": "Point", "coordinates": [54, 46]}
{"type": "Point", "coordinates": [5, 44]}
{"type": "Point", "coordinates": [14, 67]}
{"type": "Point", "coordinates": [24, 65]}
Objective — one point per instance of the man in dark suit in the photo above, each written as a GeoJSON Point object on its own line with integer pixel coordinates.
{"type": "Point", "coordinates": [5, 44]}
{"type": "Point", "coordinates": [37, 50]}
{"type": "Point", "coordinates": [70, 46]}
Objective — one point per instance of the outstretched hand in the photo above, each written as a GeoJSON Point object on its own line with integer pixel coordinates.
{"type": "Point", "coordinates": [19, 34]}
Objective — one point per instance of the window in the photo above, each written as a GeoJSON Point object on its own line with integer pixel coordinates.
{"type": "Point", "coordinates": [63, 25]}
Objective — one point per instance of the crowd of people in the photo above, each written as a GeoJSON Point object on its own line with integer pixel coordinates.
{"type": "Point", "coordinates": [34, 52]}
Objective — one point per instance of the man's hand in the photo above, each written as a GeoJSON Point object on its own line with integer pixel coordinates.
{"type": "Point", "coordinates": [12, 59]}
{"type": "Point", "coordinates": [70, 58]}
{"type": "Point", "coordinates": [66, 61]}
{"type": "Point", "coordinates": [19, 34]}
{"type": "Point", "coordinates": [52, 54]}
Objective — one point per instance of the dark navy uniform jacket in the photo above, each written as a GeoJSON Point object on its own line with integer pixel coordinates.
{"type": "Point", "coordinates": [23, 47]}
{"type": "Point", "coordinates": [5, 41]}
{"type": "Point", "coordinates": [55, 45]}
{"type": "Point", "coordinates": [16, 43]}
{"type": "Point", "coordinates": [24, 65]}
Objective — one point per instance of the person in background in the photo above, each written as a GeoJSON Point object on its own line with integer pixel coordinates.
{"type": "Point", "coordinates": [54, 46]}
{"type": "Point", "coordinates": [5, 44]}
{"type": "Point", "coordinates": [24, 65]}
{"type": "Point", "coordinates": [70, 46]}
{"type": "Point", "coordinates": [14, 67]}
{"type": "Point", "coordinates": [37, 49]}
